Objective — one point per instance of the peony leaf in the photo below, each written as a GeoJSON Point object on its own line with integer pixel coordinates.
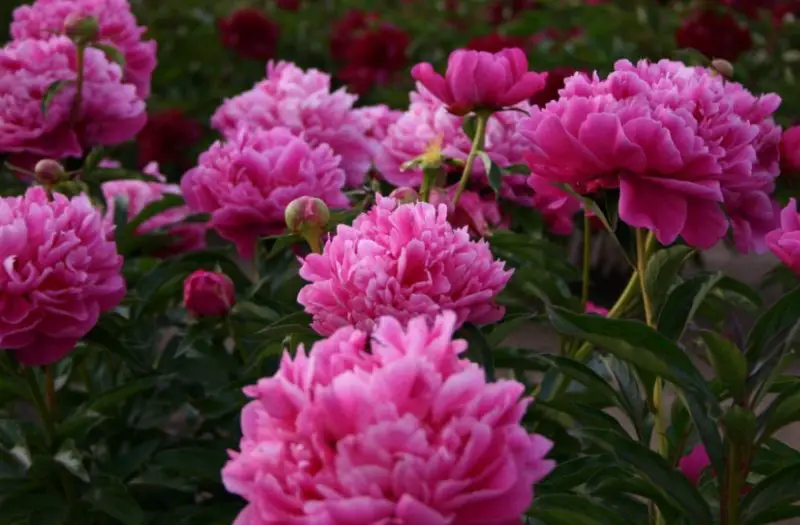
{"type": "Point", "coordinates": [111, 53]}
{"type": "Point", "coordinates": [728, 361]}
{"type": "Point", "coordinates": [780, 488]}
{"type": "Point", "coordinates": [167, 201]}
{"type": "Point", "coordinates": [51, 91]}
{"type": "Point", "coordinates": [113, 499]}
{"type": "Point", "coordinates": [774, 324]}
{"type": "Point", "coordinates": [682, 304]}
{"type": "Point", "coordinates": [492, 171]}
{"type": "Point", "coordinates": [784, 410]}
{"type": "Point", "coordinates": [662, 272]}
{"type": "Point", "coordinates": [569, 509]}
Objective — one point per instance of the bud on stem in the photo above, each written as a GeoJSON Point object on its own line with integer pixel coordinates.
{"type": "Point", "coordinates": [308, 217]}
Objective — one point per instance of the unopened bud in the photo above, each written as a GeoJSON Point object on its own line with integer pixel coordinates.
{"type": "Point", "coordinates": [81, 29]}
{"type": "Point", "coordinates": [305, 214]}
{"type": "Point", "coordinates": [404, 195]}
{"type": "Point", "coordinates": [48, 171]}
{"type": "Point", "coordinates": [723, 67]}
{"type": "Point", "coordinates": [208, 294]}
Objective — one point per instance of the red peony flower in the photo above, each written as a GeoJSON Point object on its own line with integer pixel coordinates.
{"type": "Point", "coordinates": [288, 5]}
{"type": "Point", "coordinates": [494, 43]}
{"type": "Point", "coordinates": [716, 35]}
{"type": "Point", "coordinates": [249, 33]}
{"type": "Point", "coordinates": [504, 10]}
{"type": "Point", "coordinates": [166, 137]}
{"type": "Point", "coordinates": [553, 82]}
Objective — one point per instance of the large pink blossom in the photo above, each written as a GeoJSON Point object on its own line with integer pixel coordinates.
{"type": "Point", "coordinates": [302, 101]}
{"type": "Point", "coordinates": [138, 194]}
{"type": "Point", "coordinates": [401, 260]}
{"type": "Point", "coordinates": [397, 431]}
{"type": "Point", "coordinates": [60, 271]}
{"type": "Point", "coordinates": [689, 152]}
{"type": "Point", "coordinates": [110, 111]}
{"type": "Point", "coordinates": [117, 25]}
{"type": "Point", "coordinates": [247, 182]}
{"type": "Point", "coordinates": [784, 241]}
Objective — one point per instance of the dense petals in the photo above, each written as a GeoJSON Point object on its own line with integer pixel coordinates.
{"type": "Point", "coordinates": [785, 240]}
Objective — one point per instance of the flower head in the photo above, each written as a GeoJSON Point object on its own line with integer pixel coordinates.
{"type": "Point", "coordinates": [166, 137]}
{"type": "Point", "coordinates": [61, 270]}
{"type": "Point", "coordinates": [247, 182]}
{"type": "Point", "coordinates": [208, 294]}
{"type": "Point", "coordinates": [116, 24]}
{"type": "Point", "coordinates": [401, 260]}
{"type": "Point", "coordinates": [715, 34]}
{"type": "Point", "coordinates": [249, 33]}
{"type": "Point", "coordinates": [477, 80]}
{"type": "Point", "coordinates": [785, 240]}
{"type": "Point", "coordinates": [694, 463]}
{"type": "Point", "coordinates": [401, 430]}
{"type": "Point", "coordinates": [302, 102]}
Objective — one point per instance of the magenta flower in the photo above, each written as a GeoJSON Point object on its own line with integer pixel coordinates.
{"type": "Point", "coordinates": [790, 151]}
{"type": "Point", "coordinates": [694, 463]}
{"type": "Point", "coordinates": [247, 182]}
{"type": "Point", "coordinates": [302, 102]}
{"type": "Point", "coordinates": [404, 261]}
{"type": "Point", "coordinates": [479, 214]}
{"type": "Point", "coordinates": [785, 240]}
{"type": "Point", "coordinates": [61, 270]}
{"type": "Point", "coordinates": [117, 24]}
{"type": "Point", "coordinates": [592, 308]}
{"type": "Point", "coordinates": [397, 431]}
{"type": "Point", "coordinates": [376, 121]}
{"type": "Point", "coordinates": [187, 236]}
{"type": "Point", "coordinates": [110, 112]}
{"type": "Point", "coordinates": [208, 293]}
{"type": "Point", "coordinates": [477, 80]}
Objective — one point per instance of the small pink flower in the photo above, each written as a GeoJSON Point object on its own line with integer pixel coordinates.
{"type": "Point", "coordinates": [693, 464]}
{"type": "Point", "coordinates": [785, 241]}
{"type": "Point", "coordinates": [396, 429]}
{"type": "Point", "coordinates": [60, 271]}
{"type": "Point", "coordinates": [592, 308]}
{"type": "Point", "coordinates": [247, 182]}
{"type": "Point", "coordinates": [401, 260]}
{"type": "Point", "coordinates": [477, 80]}
{"type": "Point", "coordinates": [208, 293]}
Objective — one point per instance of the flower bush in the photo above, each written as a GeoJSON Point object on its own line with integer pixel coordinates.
{"type": "Point", "coordinates": [356, 263]}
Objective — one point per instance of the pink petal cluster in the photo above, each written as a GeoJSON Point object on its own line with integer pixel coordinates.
{"type": "Point", "coordinates": [478, 213]}
{"type": "Point", "coordinates": [477, 80]}
{"type": "Point", "coordinates": [208, 293]}
{"type": "Point", "coordinates": [785, 240]}
{"type": "Point", "coordinates": [117, 25]}
{"type": "Point", "coordinates": [690, 153]}
{"type": "Point", "coordinates": [397, 431]}
{"type": "Point", "coordinates": [403, 261]}
{"type": "Point", "coordinates": [187, 236]}
{"type": "Point", "coordinates": [60, 271]}
{"type": "Point", "coordinates": [427, 120]}
{"type": "Point", "coordinates": [247, 182]}
{"type": "Point", "coordinates": [110, 113]}
{"type": "Point", "coordinates": [302, 102]}
{"type": "Point", "coordinates": [694, 463]}
{"type": "Point", "coordinates": [376, 121]}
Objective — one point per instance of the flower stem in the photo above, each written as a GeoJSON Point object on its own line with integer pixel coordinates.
{"type": "Point", "coordinates": [482, 118]}
{"type": "Point", "coordinates": [76, 102]}
{"type": "Point", "coordinates": [731, 487]}
{"type": "Point", "coordinates": [428, 176]}
{"type": "Point", "coordinates": [50, 391]}
{"type": "Point", "coordinates": [587, 258]}
{"type": "Point", "coordinates": [642, 241]}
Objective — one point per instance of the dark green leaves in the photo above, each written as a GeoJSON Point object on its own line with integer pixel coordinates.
{"type": "Point", "coordinates": [683, 302]}
{"type": "Point", "coordinates": [114, 500]}
{"type": "Point", "coordinates": [493, 172]}
{"type": "Point", "coordinates": [111, 52]}
{"type": "Point", "coordinates": [728, 362]}
{"type": "Point", "coordinates": [662, 272]}
{"type": "Point", "coordinates": [781, 488]}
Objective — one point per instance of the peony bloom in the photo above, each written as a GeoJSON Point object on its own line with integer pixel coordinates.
{"type": "Point", "coordinates": [166, 137]}
{"type": "Point", "coordinates": [694, 463]}
{"type": "Point", "coordinates": [401, 260]}
{"type": "Point", "coordinates": [476, 80]}
{"type": "Point", "coordinates": [478, 213]}
{"type": "Point", "coordinates": [554, 82]}
{"type": "Point", "coordinates": [138, 194]}
{"type": "Point", "coordinates": [785, 241]}
{"type": "Point", "coordinates": [374, 57]}
{"type": "Point", "coordinates": [249, 33]}
{"type": "Point", "coordinates": [504, 10]}
{"type": "Point", "coordinates": [110, 111]}
{"type": "Point", "coordinates": [790, 150]}
{"type": "Point", "coordinates": [715, 34]}
{"type": "Point", "coordinates": [247, 182]}
{"type": "Point", "coordinates": [494, 43]}
{"type": "Point", "coordinates": [376, 120]}
{"type": "Point", "coordinates": [288, 5]}
{"type": "Point", "coordinates": [207, 294]}
{"type": "Point", "coordinates": [302, 101]}
{"type": "Point", "coordinates": [401, 430]}
{"type": "Point", "coordinates": [45, 18]}
{"type": "Point", "coordinates": [61, 270]}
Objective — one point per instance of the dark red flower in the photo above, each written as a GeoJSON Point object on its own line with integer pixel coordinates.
{"type": "Point", "coordinates": [504, 10]}
{"type": "Point", "coordinates": [554, 82]}
{"type": "Point", "coordinates": [288, 5]}
{"type": "Point", "coordinates": [352, 24]}
{"type": "Point", "coordinates": [166, 137]}
{"type": "Point", "coordinates": [494, 43]}
{"type": "Point", "coordinates": [715, 34]}
{"type": "Point", "coordinates": [249, 33]}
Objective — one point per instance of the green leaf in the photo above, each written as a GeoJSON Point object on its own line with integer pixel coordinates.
{"type": "Point", "coordinates": [728, 361]}
{"type": "Point", "coordinates": [682, 303]}
{"type": "Point", "coordinates": [168, 201]}
{"type": "Point", "coordinates": [69, 457]}
{"type": "Point", "coordinates": [111, 52]}
{"type": "Point", "coordinates": [784, 410]}
{"type": "Point", "coordinates": [101, 175]}
{"type": "Point", "coordinates": [51, 91]}
{"type": "Point", "coordinates": [730, 286]}
{"type": "Point", "coordinates": [113, 499]}
{"type": "Point", "coordinates": [478, 345]}
{"type": "Point", "coordinates": [470, 125]}
{"type": "Point", "coordinates": [493, 172]}
{"type": "Point", "coordinates": [193, 462]}
{"type": "Point", "coordinates": [707, 427]}
{"type": "Point", "coordinates": [568, 509]}
{"type": "Point", "coordinates": [663, 270]}
{"type": "Point", "coordinates": [780, 320]}
{"type": "Point", "coordinates": [780, 488]}
{"type": "Point", "coordinates": [520, 169]}
{"type": "Point", "coordinates": [509, 325]}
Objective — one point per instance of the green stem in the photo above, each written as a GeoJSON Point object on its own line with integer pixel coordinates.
{"type": "Point", "coordinates": [35, 388]}
{"type": "Point", "coordinates": [76, 103]}
{"type": "Point", "coordinates": [477, 145]}
{"type": "Point", "coordinates": [587, 258]}
{"type": "Point", "coordinates": [428, 176]}
{"type": "Point", "coordinates": [642, 241]}
{"type": "Point", "coordinates": [50, 391]}
{"type": "Point", "coordinates": [731, 488]}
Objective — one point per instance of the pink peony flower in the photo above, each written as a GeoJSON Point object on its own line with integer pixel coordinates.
{"type": "Point", "coordinates": [477, 80]}
{"type": "Point", "coordinates": [139, 193]}
{"type": "Point", "coordinates": [592, 308]}
{"type": "Point", "coordinates": [61, 270]}
{"type": "Point", "coordinates": [401, 260]}
{"type": "Point", "coordinates": [302, 102]}
{"type": "Point", "coordinates": [790, 150]}
{"type": "Point", "coordinates": [785, 240]}
{"type": "Point", "coordinates": [118, 28]}
{"type": "Point", "coordinates": [478, 213]}
{"type": "Point", "coordinates": [398, 431]}
{"type": "Point", "coordinates": [694, 463]}
{"type": "Point", "coordinates": [247, 182]}
{"type": "Point", "coordinates": [208, 293]}
{"type": "Point", "coordinates": [110, 112]}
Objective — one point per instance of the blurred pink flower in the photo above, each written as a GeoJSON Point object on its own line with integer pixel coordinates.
{"type": "Point", "coordinates": [117, 24]}
{"type": "Point", "coordinates": [399, 431]}
{"type": "Point", "coordinates": [478, 213]}
{"type": "Point", "coordinates": [790, 151]}
{"type": "Point", "coordinates": [694, 463]}
{"type": "Point", "coordinates": [401, 260]}
{"type": "Point", "coordinates": [186, 236]}
{"type": "Point", "coordinates": [110, 112]}
{"type": "Point", "coordinates": [376, 121]}
{"type": "Point", "coordinates": [592, 308]}
{"type": "Point", "coordinates": [302, 102]}
{"type": "Point", "coordinates": [477, 80]}
{"type": "Point", "coordinates": [785, 240]}
{"type": "Point", "coordinates": [61, 270]}
{"type": "Point", "coordinates": [247, 182]}
{"type": "Point", "coordinates": [208, 293]}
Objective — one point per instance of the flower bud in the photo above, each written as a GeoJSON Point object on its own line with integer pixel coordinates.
{"type": "Point", "coordinates": [208, 294]}
{"type": "Point", "coordinates": [404, 195]}
{"type": "Point", "coordinates": [723, 67]}
{"type": "Point", "coordinates": [305, 214]}
{"type": "Point", "coordinates": [81, 29]}
{"type": "Point", "coordinates": [48, 171]}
